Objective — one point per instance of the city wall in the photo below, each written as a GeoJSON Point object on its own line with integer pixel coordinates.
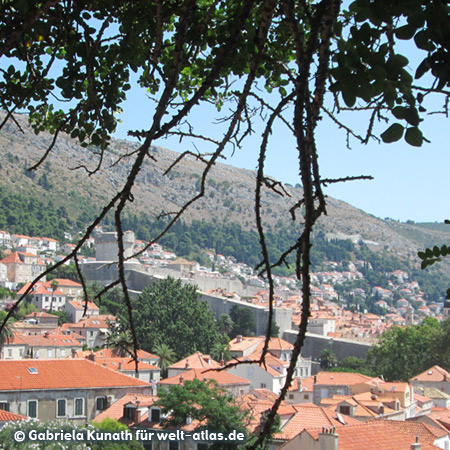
{"type": "Point", "coordinates": [315, 344]}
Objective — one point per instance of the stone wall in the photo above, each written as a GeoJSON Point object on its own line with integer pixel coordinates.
{"type": "Point", "coordinates": [342, 348]}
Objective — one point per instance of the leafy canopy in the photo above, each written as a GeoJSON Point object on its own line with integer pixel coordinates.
{"type": "Point", "coordinates": [171, 313]}
{"type": "Point", "coordinates": [404, 352]}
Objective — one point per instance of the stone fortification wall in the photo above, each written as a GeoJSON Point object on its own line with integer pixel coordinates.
{"type": "Point", "coordinates": [342, 348]}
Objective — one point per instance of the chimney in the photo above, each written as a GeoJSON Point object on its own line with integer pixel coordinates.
{"type": "Point", "coordinates": [46, 334]}
{"type": "Point", "coordinates": [91, 357]}
{"type": "Point", "coordinates": [416, 445]}
{"type": "Point", "coordinates": [299, 385]}
{"type": "Point", "coordinates": [328, 439]}
{"type": "Point", "coordinates": [74, 353]}
{"type": "Point", "coordinates": [105, 364]}
{"type": "Point", "coordinates": [239, 338]}
{"type": "Point", "coordinates": [222, 362]}
{"type": "Point", "coordinates": [315, 379]}
{"type": "Point", "coordinates": [120, 366]}
{"type": "Point", "coordinates": [137, 416]}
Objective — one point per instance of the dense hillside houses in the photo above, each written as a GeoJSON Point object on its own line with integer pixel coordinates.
{"type": "Point", "coordinates": [65, 371]}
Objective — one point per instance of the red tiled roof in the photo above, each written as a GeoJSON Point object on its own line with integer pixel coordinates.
{"type": "Point", "coordinates": [373, 436]}
{"type": "Point", "coordinates": [6, 416]}
{"type": "Point", "coordinates": [196, 361]}
{"type": "Point", "coordinates": [223, 378]}
{"type": "Point", "coordinates": [60, 374]}
{"type": "Point", "coordinates": [310, 416]}
{"type": "Point", "coordinates": [53, 340]}
{"type": "Point", "coordinates": [341, 378]}
{"type": "Point", "coordinates": [128, 364]}
{"type": "Point", "coordinates": [435, 374]}
{"type": "Point", "coordinates": [108, 353]}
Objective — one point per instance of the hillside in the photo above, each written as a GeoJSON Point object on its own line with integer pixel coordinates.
{"type": "Point", "coordinates": [229, 197]}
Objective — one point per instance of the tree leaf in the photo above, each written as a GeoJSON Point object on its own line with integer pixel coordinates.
{"type": "Point", "coordinates": [414, 137]}
{"type": "Point", "coordinates": [393, 133]}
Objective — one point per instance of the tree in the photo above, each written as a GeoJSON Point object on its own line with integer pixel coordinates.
{"type": "Point", "coordinates": [120, 343]}
{"type": "Point", "coordinates": [7, 331]}
{"type": "Point", "coordinates": [8, 441]}
{"type": "Point", "coordinates": [225, 324]}
{"type": "Point", "coordinates": [327, 359]}
{"type": "Point", "coordinates": [213, 407]}
{"type": "Point", "coordinates": [166, 357]}
{"type": "Point", "coordinates": [244, 322]}
{"type": "Point", "coordinates": [171, 313]}
{"type": "Point", "coordinates": [404, 352]}
{"type": "Point", "coordinates": [71, 64]}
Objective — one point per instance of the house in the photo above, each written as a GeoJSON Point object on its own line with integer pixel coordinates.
{"type": "Point", "coordinates": [94, 329]}
{"type": "Point", "coordinates": [242, 346]}
{"type": "Point", "coordinates": [226, 380]}
{"type": "Point", "coordinates": [72, 290]}
{"type": "Point", "coordinates": [66, 389]}
{"type": "Point", "coordinates": [142, 355]}
{"type": "Point", "coordinates": [138, 411]}
{"type": "Point", "coordinates": [49, 345]}
{"type": "Point", "coordinates": [328, 384]}
{"type": "Point", "coordinates": [369, 436]}
{"type": "Point", "coordinates": [42, 319]}
{"type": "Point", "coordinates": [271, 375]}
{"type": "Point", "coordinates": [5, 239]}
{"type": "Point", "coordinates": [76, 310]}
{"type": "Point", "coordinates": [44, 296]}
{"type": "Point", "coordinates": [15, 348]}
{"type": "Point", "coordinates": [23, 267]}
{"type": "Point", "coordinates": [127, 365]}
{"type": "Point", "coordinates": [194, 361]}
{"type": "Point", "coordinates": [435, 377]}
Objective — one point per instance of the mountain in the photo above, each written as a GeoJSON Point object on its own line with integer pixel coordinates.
{"type": "Point", "coordinates": [229, 197]}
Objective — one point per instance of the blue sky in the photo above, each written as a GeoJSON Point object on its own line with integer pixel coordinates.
{"type": "Point", "coordinates": [409, 182]}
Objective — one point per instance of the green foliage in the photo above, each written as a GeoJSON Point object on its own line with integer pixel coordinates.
{"type": "Point", "coordinates": [7, 436]}
{"type": "Point", "coordinates": [171, 313]}
{"type": "Point", "coordinates": [204, 401]}
{"type": "Point", "coordinates": [327, 359]}
{"type": "Point", "coordinates": [404, 352]}
{"type": "Point", "coordinates": [66, 271]}
{"type": "Point", "coordinates": [166, 357]}
{"type": "Point", "coordinates": [244, 321]}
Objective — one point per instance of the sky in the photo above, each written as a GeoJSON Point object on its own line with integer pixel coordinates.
{"type": "Point", "coordinates": [409, 183]}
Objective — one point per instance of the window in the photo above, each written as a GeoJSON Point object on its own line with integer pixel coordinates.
{"type": "Point", "coordinates": [61, 407]}
{"type": "Point", "coordinates": [10, 353]}
{"type": "Point", "coordinates": [155, 415]}
{"type": "Point", "coordinates": [306, 396]}
{"type": "Point", "coordinates": [101, 403]}
{"type": "Point", "coordinates": [344, 410]}
{"type": "Point", "coordinates": [291, 396]}
{"type": "Point", "coordinates": [4, 406]}
{"type": "Point", "coordinates": [32, 409]}
{"type": "Point", "coordinates": [49, 353]}
{"type": "Point", "coordinates": [263, 385]}
{"type": "Point", "coordinates": [63, 353]}
{"type": "Point", "coordinates": [129, 412]}
{"type": "Point", "coordinates": [79, 406]}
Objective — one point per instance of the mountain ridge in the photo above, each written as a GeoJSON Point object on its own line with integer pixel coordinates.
{"type": "Point", "coordinates": [229, 194]}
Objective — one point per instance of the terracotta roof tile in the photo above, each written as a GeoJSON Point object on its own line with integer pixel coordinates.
{"type": "Point", "coordinates": [223, 378]}
{"type": "Point", "coordinates": [196, 361]}
{"type": "Point", "coordinates": [60, 374]}
{"type": "Point", "coordinates": [435, 374]}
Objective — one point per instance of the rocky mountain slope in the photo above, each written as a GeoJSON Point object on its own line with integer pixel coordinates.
{"type": "Point", "coordinates": [229, 196]}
